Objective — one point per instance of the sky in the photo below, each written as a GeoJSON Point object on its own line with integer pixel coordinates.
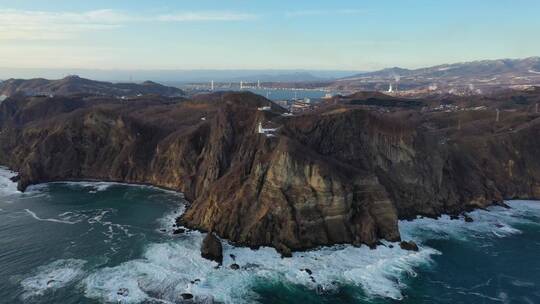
{"type": "Point", "coordinates": [254, 34]}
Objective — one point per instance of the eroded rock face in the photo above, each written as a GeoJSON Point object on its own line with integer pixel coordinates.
{"type": "Point", "coordinates": [345, 175]}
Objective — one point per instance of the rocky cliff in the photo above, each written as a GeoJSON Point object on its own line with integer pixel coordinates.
{"type": "Point", "coordinates": [342, 174]}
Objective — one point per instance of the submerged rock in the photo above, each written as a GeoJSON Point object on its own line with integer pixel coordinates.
{"type": "Point", "coordinates": [502, 204]}
{"type": "Point", "coordinates": [124, 292]}
{"type": "Point", "coordinates": [308, 271]}
{"type": "Point", "coordinates": [235, 266]}
{"type": "Point", "coordinates": [186, 298]}
{"type": "Point", "coordinates": [179, 231]}
{"type": "Point", "coordinates": [211, 248]}
{"type": "Point", "coordinates": [410, 246]}
{"type": "Point", "coordinates": [467, 218]}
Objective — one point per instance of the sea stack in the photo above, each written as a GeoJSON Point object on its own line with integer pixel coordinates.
{"type": "Point", "coordinates": [211, 248]}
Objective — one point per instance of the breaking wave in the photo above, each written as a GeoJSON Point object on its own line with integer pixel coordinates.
{"type": "Point", "coordinates": [169, 269]}
{"type": "Point", "coordinates": [172, 267]}
{"type": "Point", "coordinates": [494, 222]}
{"type": "Point", "coordinates": [55, 275]}
{"type": "Point", "coordinates": [7, 186]}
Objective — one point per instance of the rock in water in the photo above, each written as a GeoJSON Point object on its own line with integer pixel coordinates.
{"type": "Point", "coordinates": [187, 298]}
{"type": "Point", "coordinates": [284, 251]}
{"type": "Point", "coordinates": [179, 231]}
{"type": "Point", "coordinates": [235, 266]}
{"type": "Point", "coordinates": [411, 246]}
{"type": "Point", "coordinates": [308, 271]}
{"type": "Point", "coordinates": [211, 248]}
{"type": "Point", "coordinates": [124, 292]}
{"type": "Point", "coordinates": [468, 219]}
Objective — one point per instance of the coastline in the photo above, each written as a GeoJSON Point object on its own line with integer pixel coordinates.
{"type": "Point", "coordinates": [387, 273]}
{"type": "Point", "coordinates": [459, 216]}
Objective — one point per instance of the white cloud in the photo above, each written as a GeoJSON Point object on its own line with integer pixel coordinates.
{"type": "Point", "coordinates": [40, 25]}
{"type": "Point", "coordinates": [303, 13]}
{"type": "Point", "coordinates": [206, 16]}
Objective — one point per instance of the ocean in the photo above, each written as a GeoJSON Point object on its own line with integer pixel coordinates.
{"type": "Point", "coordinates": [81, 242]}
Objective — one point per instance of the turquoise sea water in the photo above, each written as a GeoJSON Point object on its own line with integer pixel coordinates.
{"type": "Point", "coordinates": [113, 243]}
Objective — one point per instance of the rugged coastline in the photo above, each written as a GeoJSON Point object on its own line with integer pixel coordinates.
{"type": "Point", "coordinates": [299, 189]}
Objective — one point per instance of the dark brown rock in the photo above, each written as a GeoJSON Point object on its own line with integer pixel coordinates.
{"type": "Point", "coordinates": [284, 251]}
{"type": "Point", "coordinates": [410, 246]}
{"type": "Point", "coordinates": [502, 204]}
{"type": "Point", "coordinates": [179, 231]}
{"type": "Point", "coordinates": [211, 248]}
{"type": "Point", "coordinates": [186, 297]}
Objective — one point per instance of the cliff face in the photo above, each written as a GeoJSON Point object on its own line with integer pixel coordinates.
{"type": "Point", "coordinates": [342, 175]}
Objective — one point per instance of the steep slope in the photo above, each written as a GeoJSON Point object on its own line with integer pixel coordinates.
{"type": "Point", "coordinates": [339, 175]}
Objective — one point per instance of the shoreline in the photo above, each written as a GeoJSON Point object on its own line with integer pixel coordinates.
{"type": "Point", "coordinates": [463, 215]}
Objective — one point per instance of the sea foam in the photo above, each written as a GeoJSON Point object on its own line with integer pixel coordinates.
{"type": "Point", "coordinates": [170, 268]}
{"type": "Point", "coordinates": [7, 186]}
{"type": "Point", "coordinates": [174, 266]}
{"type": "Point", "coordinates": [53, 276]}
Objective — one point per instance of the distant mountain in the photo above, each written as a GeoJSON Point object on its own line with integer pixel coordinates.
{"type": "Point", "coordinates": [476, 75]}
{"type": "Point", "coordinates": [475, 68]}
{"type": "Point", "coordinates": [180, 76]}
{"type": "Point", "coordinates": [77, 85]}
{"type": "Point", "coordinates": [286, 77]}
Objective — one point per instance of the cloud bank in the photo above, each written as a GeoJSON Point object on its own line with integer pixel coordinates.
{"type": "Point", "coordinates": [42, 25]}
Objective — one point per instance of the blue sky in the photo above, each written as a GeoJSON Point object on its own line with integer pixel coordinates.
{"type": "Point", "coordinates": [251, 34]}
